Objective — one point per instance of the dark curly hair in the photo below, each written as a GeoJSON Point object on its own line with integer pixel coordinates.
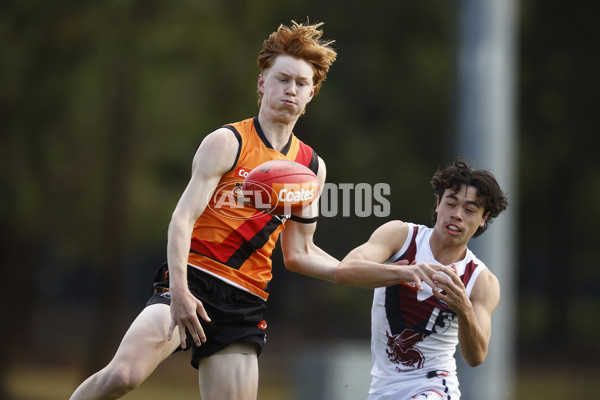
{"type": "Point", "coordinates": [489, 194]}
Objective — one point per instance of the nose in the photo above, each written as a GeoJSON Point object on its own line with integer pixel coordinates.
{"type": "Point", "coordinates": [290, 88]}
{"type": "Point", "coordinates": [457, 214]}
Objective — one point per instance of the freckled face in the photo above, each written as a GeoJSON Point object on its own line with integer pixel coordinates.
{"type": "Point", "coordinates": [287, 87]}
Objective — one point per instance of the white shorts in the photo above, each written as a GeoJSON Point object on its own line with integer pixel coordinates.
{"type": "Point", "coordinates": [435, 388]}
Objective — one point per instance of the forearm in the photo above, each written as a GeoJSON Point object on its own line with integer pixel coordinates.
{"type": "Point", "coordinates": [368, 274]}
{"type": "Point", "coordinates": [312, 261]}
{"type": "Point", "coordinates": [471, 338]}
{"type": "Point", "coordinates": [178, 247]}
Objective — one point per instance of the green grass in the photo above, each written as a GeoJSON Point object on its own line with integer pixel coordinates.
{"type": "Point", "coordinates": [176, 379]}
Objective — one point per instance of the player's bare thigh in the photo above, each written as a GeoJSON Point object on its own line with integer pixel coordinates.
{"type": "Point", "coordinates": [143, 347]}
{"type": "Point", "coordinates": [146, 339]}
{"type": "Point", "coordinates": [231, 373]}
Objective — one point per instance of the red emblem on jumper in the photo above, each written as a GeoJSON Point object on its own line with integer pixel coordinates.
{"type": "Point", "coordinates": [403, 351]}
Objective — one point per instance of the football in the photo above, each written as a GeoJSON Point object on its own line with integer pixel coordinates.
{"type": "Point", "coordinates": [280, 187]}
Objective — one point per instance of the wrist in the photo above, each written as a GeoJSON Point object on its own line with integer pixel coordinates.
{"type": "Point", "coordinates": [178, 287]}
{"type": "Point", "coordinates": [466, 312]}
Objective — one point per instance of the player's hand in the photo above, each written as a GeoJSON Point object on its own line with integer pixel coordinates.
{"type": "Point", "coordinates": [452, 290]}
{"type": "Point", "coordinates": [413, 274]}
{"type": "Point", "coordinates": [185, 309]}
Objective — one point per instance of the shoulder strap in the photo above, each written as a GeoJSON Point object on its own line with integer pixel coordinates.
{"type": "Point", "coordinates": [239, 139]}
{"type": "Point", "coordinates": [307, 157]}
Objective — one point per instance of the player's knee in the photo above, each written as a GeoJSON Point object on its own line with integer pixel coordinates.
{"type": "Point", "coordinates": [121, 380]}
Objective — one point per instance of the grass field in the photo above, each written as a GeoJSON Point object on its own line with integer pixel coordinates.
{"type": "Point", "coordinates": [176, 380]}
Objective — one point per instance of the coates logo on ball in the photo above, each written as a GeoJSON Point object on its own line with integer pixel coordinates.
{"type": "Point", "coordinates": [280, 187]}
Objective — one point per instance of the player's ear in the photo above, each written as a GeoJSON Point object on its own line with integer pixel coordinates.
{"type": "Point", "coordinates": [261, 83]}
{"type": "Point", "coordinates": [485, 217]}
{"type": "Point", "coordinates": [312, 93]}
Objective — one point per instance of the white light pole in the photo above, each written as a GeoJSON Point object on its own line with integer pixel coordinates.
{"type": "Point", "coordinates": [486, 137]}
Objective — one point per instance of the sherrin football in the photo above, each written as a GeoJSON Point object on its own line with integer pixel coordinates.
{"type": "Point", "coordinates": [280, 187]}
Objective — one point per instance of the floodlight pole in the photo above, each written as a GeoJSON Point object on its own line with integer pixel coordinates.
{"type": "Point", "coordinates": [486, 137]}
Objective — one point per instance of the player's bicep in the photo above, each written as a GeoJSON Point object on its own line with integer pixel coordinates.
{"type": "Point", "coordinates": [382, 244]}
{"type": "Point", "coordinates": [485, 297]}
{"type": "Point", "coordinates": [297, 238]}
{"type": "Point", "coordinates": [215, 156]}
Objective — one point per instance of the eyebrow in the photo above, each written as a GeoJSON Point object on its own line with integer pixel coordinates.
{"type": "Point", "coordinates": [299, 77]}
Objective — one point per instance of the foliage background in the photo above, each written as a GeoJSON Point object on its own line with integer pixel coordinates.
{"type": "Point", "coordinates": [103, 104]}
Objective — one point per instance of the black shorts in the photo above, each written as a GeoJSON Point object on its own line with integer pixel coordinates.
{"type": "Point", "coordinates": [236, 316]}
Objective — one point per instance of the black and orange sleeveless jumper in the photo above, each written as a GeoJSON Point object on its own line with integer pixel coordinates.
{"type": "Point", "coordinates": [233, 242]}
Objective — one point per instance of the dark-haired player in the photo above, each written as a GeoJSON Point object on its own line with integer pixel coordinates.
{"type": "Point", "coordinates": [219, 256]}
{"type": "Point", "coordinates": [445, 296]}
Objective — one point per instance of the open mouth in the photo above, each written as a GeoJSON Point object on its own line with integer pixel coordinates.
{"type": "Point", "coordinates": [453, 228]}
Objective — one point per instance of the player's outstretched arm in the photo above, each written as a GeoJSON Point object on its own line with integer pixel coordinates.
{"type": "Point", "coordinates": [365, 265]}
{"type": "Point", "coordinates": [215, 156]}
{"type": "Point", "coordinates": [300, 253]}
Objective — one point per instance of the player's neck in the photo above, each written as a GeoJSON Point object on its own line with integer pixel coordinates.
{"type": "Point", "coordinates": [447, 253]}
{"type": "Point", "coordinates": [277, 131]}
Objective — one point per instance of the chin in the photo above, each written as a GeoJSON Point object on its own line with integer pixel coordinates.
{"type": "Point", "coordinates": [288, 116]}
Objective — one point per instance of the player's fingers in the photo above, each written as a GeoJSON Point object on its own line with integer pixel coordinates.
{"type": "Point", "coordinates": [196, 330]}
{"type": "Point", "coordinates": [431, 283]}
{"type": "Point", "coordinates": [441, 295]}
{"type": "Point", "coordinates": [452, 273]}
{"type": "Point", "coordinates": [195, 327]}
{"type": "Point", "coordinates": [441, 279]}
{"type": "Point", "coordinates": [197, 335]}
{"type": "Point", "coordinates": [425, 272]}
{"type": "Point", "coordinates": [202, 312]}
{"type": "Point", "coordinates": [448, 270]}
{"type": "Point", "coordinates": [182, 336]}
{"type": "Point", "coordinates": [418, 282]}
{"type": "Point", "coordinates": [433, 268]}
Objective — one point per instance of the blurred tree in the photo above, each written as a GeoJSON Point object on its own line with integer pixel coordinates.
{"type": "Point", "coordinates": [121, 94]}
{"type": "Point", "coordinates": [103, 104]}
{"type": "Point", "coordinates": [560, 180]}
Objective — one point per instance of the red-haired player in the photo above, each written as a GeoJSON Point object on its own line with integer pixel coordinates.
{"type": "Point", "coordinates": [215, 283]}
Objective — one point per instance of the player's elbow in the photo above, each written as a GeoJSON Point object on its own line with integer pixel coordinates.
{"type": "Point", "coordinates": [475, 359]}
{"type": "Point", "coordinates": [345, 275]}
{"type": "Point", "coordinates": [296, 254]}
{"type": "Point", "coordinates": [180, 221]}
{"type": "Point", "coordinates": [292, 262]}
{"type": "Point", "coordinates": [474, 363]}
{"type": "Point", "coordinates": [341, 275]}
